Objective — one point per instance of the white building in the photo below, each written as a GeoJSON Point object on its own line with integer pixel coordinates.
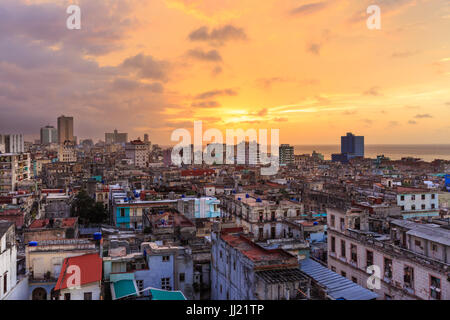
{"type": "Point", "coordinates": [412, 258]}
{"type": "Point", "coordinates": [172, 267]}
{"type": "Point", "coordinates": [8, 258]}
{"type": "Point", "coordinates": [12, 143]}
{"type": "Point", "coordinates": [49, 135]}
{"type": "Point", "coordinates": [416, 202]}
{"type": "Point", "coordinates": [89, 284]}
{"type": "Point", "coordinates": [243, 270]}
{"type": "Point", "coordinates": [13, 169]}
{"type": "Point", "coordinates": [138, 152]}
{"type": "Point", "coordinates": [67, 152]}
{"type": "Point", "coordinates": [263, 218]}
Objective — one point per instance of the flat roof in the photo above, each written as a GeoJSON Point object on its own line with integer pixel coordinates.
{"type": "Point", "coordinates": [337, 286]}
{"type": "Point", "coordinates": [432, 232]}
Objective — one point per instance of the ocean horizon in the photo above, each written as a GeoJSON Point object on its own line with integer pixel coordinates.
{"type": "Point", "coordinates": [426, 152]}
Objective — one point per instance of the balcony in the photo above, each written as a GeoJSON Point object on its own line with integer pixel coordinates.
{"type": "Point", "coordinates": [389, 247]}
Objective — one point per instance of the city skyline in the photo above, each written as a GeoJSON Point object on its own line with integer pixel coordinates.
{"type": "Point", "coordinates": [322, 71]}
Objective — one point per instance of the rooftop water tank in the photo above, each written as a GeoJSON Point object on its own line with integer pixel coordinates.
{"type": "Point", "coordinates": [247, 195]}
{"type": "Point", "coordinates": [97, 236]}
{"type": "Point", "coordinates": [258, 200]}
{"type": "Point", "coordinates": [315, 223]}
{"type": "Point", "coordinates": [32, 243]}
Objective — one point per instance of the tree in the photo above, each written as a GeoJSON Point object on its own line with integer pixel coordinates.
{"type": "Point", "coordinates": [87, 210]}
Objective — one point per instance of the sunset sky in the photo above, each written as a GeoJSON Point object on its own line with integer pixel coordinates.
{"type": "Point", "coordinates": [310, 68]}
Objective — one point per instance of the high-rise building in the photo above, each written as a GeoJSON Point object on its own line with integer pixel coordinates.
{"type": "Point", "coordinates": [138, 151]}
{"type": "Point", "coordinates": [116, 137]}
{"type": "Point", "coordinates": [65, 129]}
{"type": "Point", "coordinates": [286, 154]}
{"type": "Point", "coordinates": [351, 147]}
{"type": "Point", "coordinates": [12, 143]}
{"type": "Point", "coordinates": [67, 152]}
{"type": "Point", "coordinates": [49, 135]}
{"type": "Point", "coordinates": [13, 169]}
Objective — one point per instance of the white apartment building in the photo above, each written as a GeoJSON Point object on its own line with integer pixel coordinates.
{"type": "Point", "coordinates": [8, 258]}
{"type": "Point", "coordinates": [13, 169]}
{"type": "Point", "coordinates": [263, 218]}
{"type": "Point", "coordinates": [412, 258]}
{"type": "Point", "coordinates": [138, 152]}
{"type": "Point", "coordinates": [416, 202]}
{"type": "Point", "coordinates": [12, 143]}
{"type": "Point", "coordinates": [67, 152]}
{"type": "Point", "coordinates": [243, 270]}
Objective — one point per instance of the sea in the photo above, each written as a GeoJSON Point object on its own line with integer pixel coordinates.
{"type": "Point", "coordinates": [426, 152]}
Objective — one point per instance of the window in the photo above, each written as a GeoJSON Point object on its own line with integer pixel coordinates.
{"type": "Point", "coordinates": [165, 258]}
{"type": "Point", "coordinates": [413, 207]}
{"type": "Point", "coordinates": [343, 253]}
{"type": "Point", "coordinates": [165, 284]}
{"type": "Point", "coordinates": [402, 198]}
{"type": "Point", "coordinates": [433, 206]}
{"type": "Point", "coordinates": [66, 296]}
{"type": "Point", "coordinates": [342, 221]}
{"type": "Point", "coordinates": [5, 282]}
{"type": "Point", "coordinates": [122, 212]}
{"type": "Point", "coordinates": [408, 277]}
{"type": "Point", "coordinates": [220, 254]}
{"type": "Point", "coordinates": [423, 207]}
{"type": "Point", "coordinates": [413, 197]}
{"type": "Point", "coordinates": [182, 277]}
{"type": "Point", "coordinates": [88, 296]}
{"type": "Point", "coordinates": [140, 285]}
{"type": "Point", "coordinates": [403, 208]}
{"type": "Point", "coordinates": [435, 288]}
{"type": "Point", "coordinates": [333, 244]}
{"type": "Point", "coordinates": [433, 247]}
{"type": "Point", "coordinates": [344, 274]}
{"type": "Point", "coordinates": [423, 197]}
{"type": "Point", "coordinates": [387, 268]}
{"type": "Point", "coordinates": [369, 258]}
{"type": "Point", "coordinates": [332, 220]}
{"type": "Point", "coordinates": [333, 268]}
{"type": "Point", "coordinates": [354, 253]}
{"type": "Point", "coordinates": [354, 280]}
{"type": "Point", "coordinates": [433, 196]}
{"type": "Point", "coordinates": [418, 243]}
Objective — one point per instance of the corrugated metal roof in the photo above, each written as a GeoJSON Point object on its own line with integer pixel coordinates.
{"type": "Point", "coordinates": [337, 286]}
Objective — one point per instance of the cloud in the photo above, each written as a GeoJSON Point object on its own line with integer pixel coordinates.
{"type": "Point", "coordinates": [210, 56]}
{"type": "Point", "coordinates": [215, 93]}
{"type": "Point", "coordinates": [262, 112]}
{"type": "Point", "coordinates": [218, 36]}
{"type": "Point", "coordinates": [374, 91]}
{"type": "Point", "coordinates": [404, 54]}
{"type": "Point", "coordinates": [124, 84]}
{"type": "Point", "coordinates": [104, 24]}
{"type": "Point", "coordinates": [147, 67]}
{"type": "Point", "coordinates": [394, 123]}
{"type": "Point", "coordinates": [314, 48]}
{"type": "Point", "coordinates": [423, 116]}
{"type": "Point", "coordinates": [206, 104]}
{"type": "Point", "coordinates": [308, 9]}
